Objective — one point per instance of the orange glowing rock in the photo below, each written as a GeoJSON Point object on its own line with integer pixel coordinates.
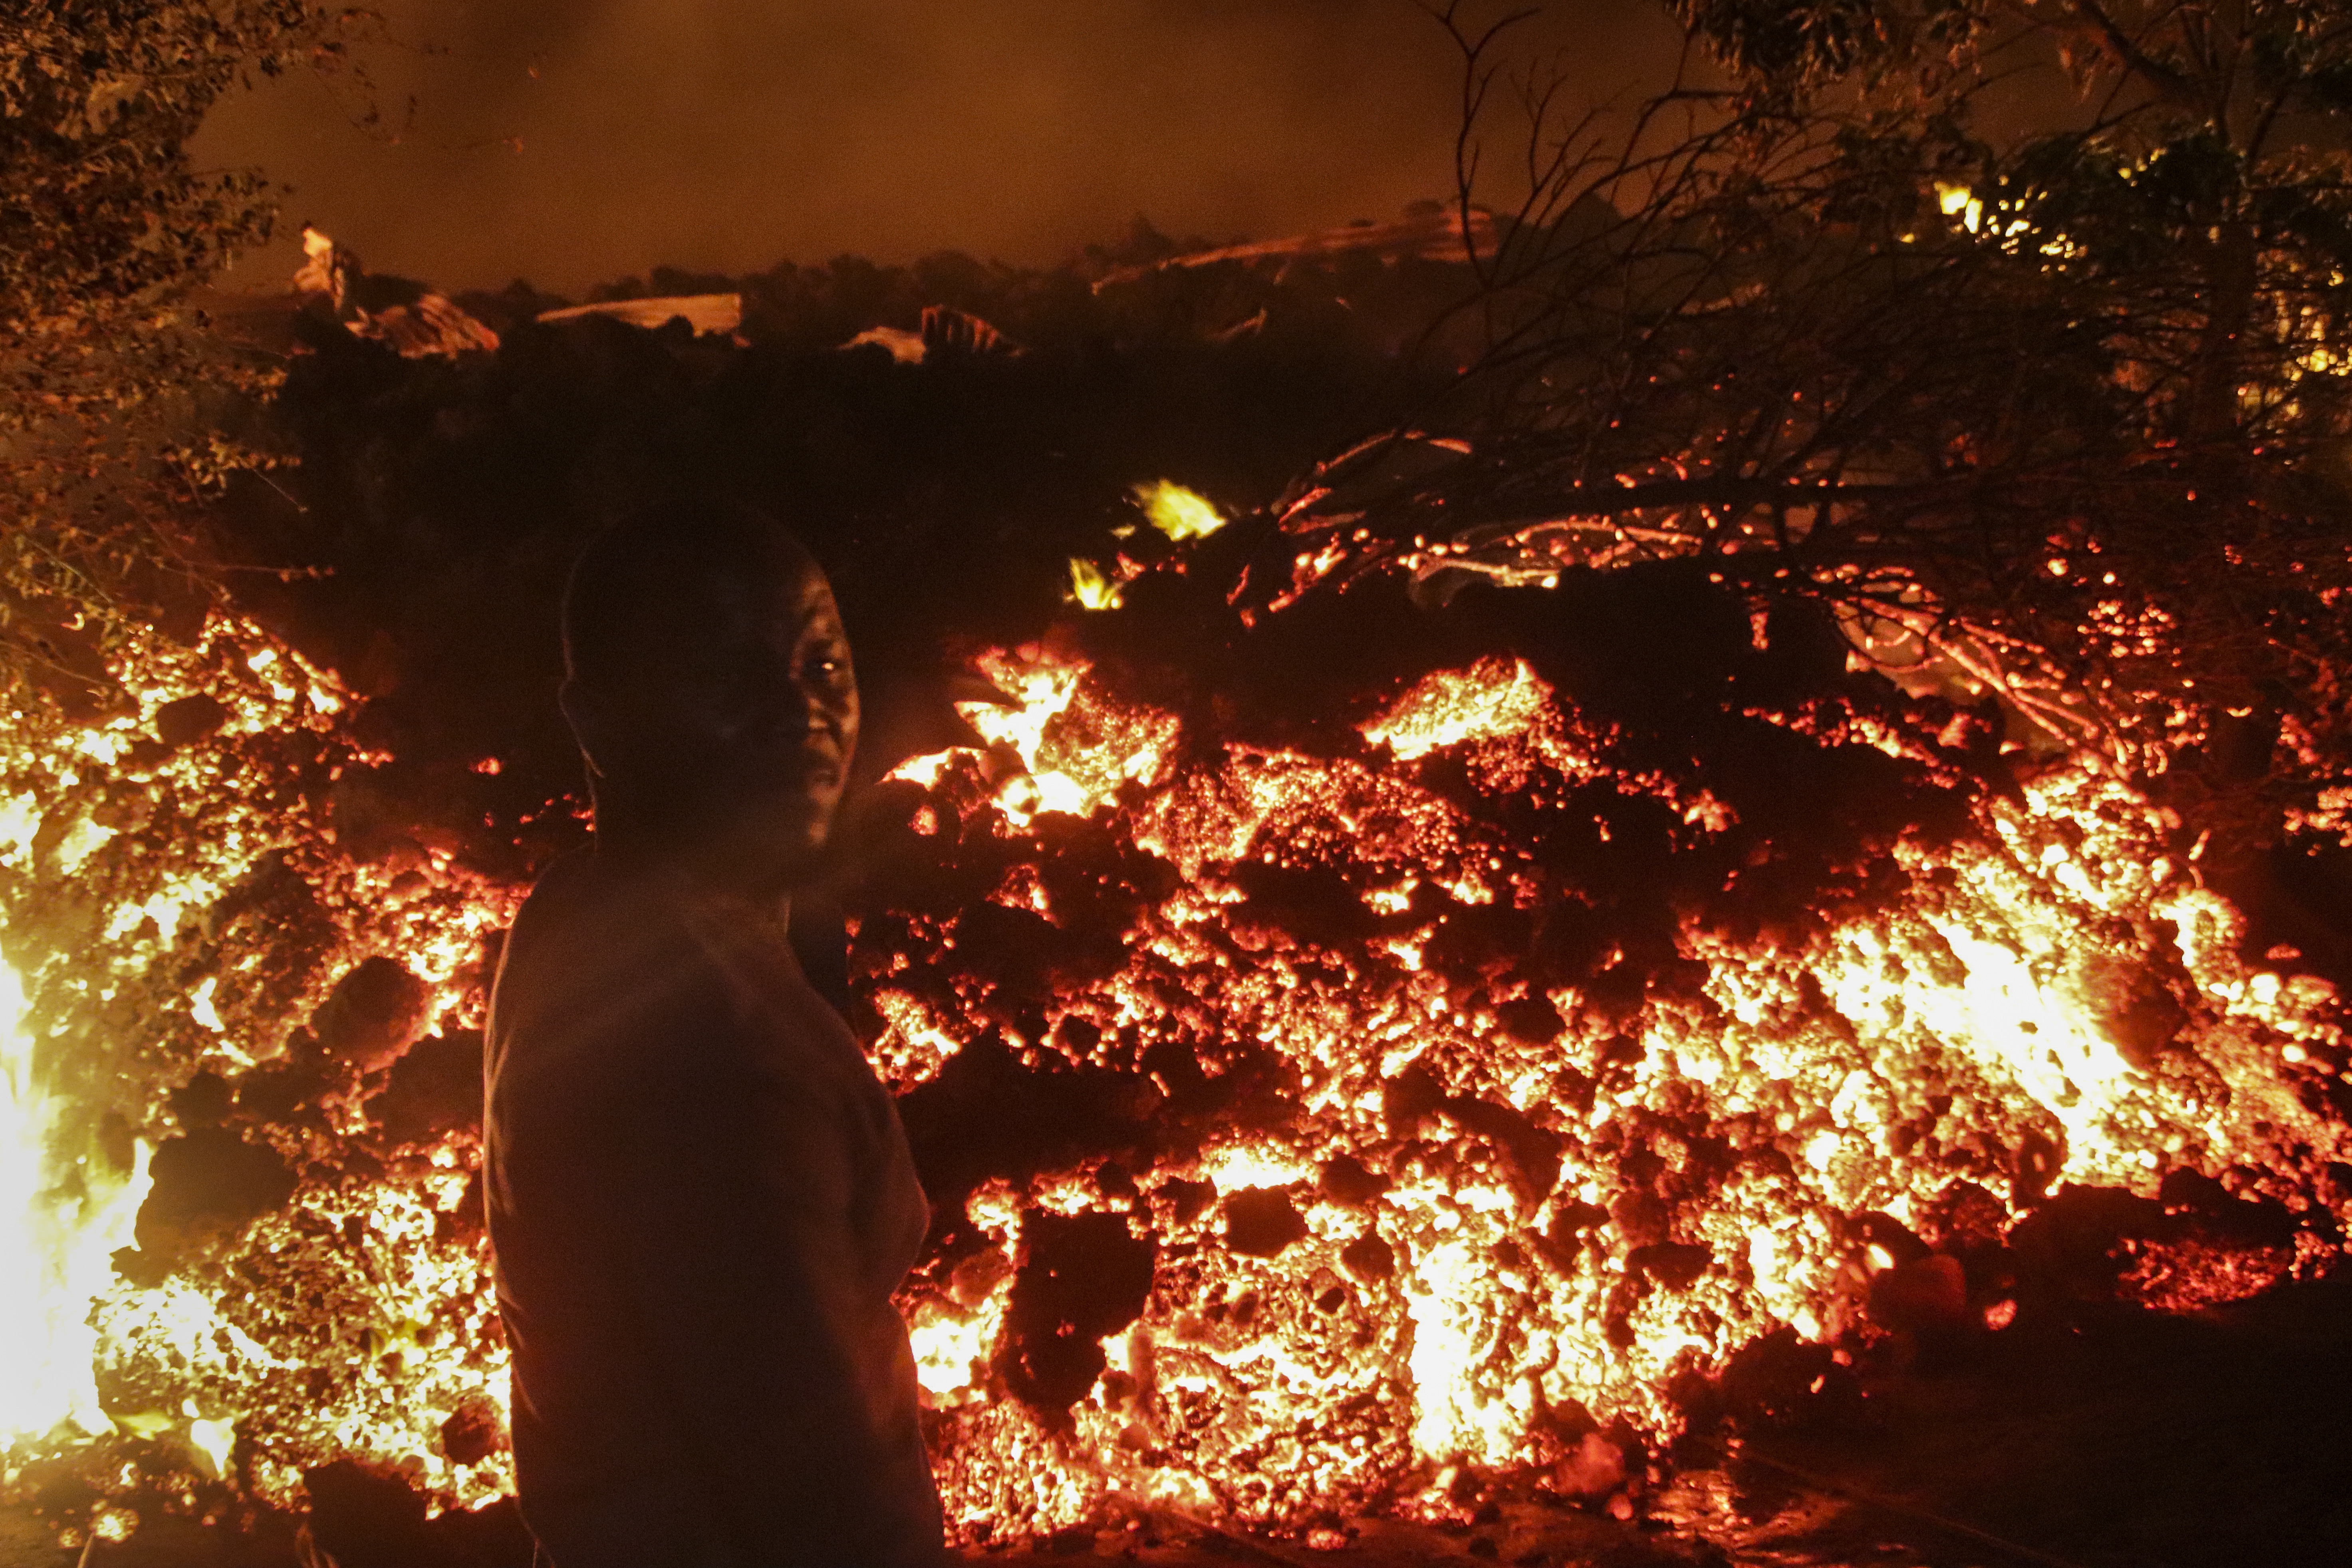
{"type": "Point", "coordinates": [1319, 1124]}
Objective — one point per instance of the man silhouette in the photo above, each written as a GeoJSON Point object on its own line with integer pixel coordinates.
{"type": "Point", "coordinates": [699, 1196]}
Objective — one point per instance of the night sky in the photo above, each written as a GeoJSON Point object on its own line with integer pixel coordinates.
{"type": "Point", "coordinates": [574, 141]}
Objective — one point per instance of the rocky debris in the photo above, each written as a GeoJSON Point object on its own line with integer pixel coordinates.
{"type": "Point", "coordinates": [209, 1184]}
{"type": "Point", "coordinates": [714, 313]}
{"type": "Point", "coordinates": [1080, 1277]}
{"type": "Point", "coordinates": [372, 1014]}
{"type": "Point", "coordinates": [411, 320]}
{"type": "Point", "coordinates": [945, 333]}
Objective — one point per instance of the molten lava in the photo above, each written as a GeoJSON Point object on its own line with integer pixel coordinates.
{"type": "Point", "coordinates": [1455, 1217]}
{"type": "Point", "coordinates": [1309, 1132]}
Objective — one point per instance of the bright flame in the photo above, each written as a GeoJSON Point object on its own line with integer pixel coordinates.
{"type": "Point", "coordinates": [1089, 588]}
{"type": "Point", "coordinates": [1177, 512]}
{"type": "Point", "coordinates": [1493, 700]}
{"type": "Point", "coordinates": [214, 1440]}
{"type": "Point", "coordinates": [60, 1230]}
{"type": "Point", "coordinates": [1959, 202]}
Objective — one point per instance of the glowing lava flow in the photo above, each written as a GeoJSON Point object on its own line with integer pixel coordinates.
{"type": "Point", "coordinates": [1457, 1213]}
{"type": "Point", "coordinates": [1368, 1144]}
{"type": "Point", "coordinates": [175, 911]}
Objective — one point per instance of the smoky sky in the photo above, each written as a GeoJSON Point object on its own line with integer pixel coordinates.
{"type": "Point", "coordinates": [573, 141]}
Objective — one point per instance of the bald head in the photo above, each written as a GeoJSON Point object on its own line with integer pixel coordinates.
{"type": "Point", "coordinates": [710, 688]}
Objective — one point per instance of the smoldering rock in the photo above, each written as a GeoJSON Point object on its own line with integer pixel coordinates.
{"type": "Point", "coordinates": [372, 1014]}
{"type": "Point", "coordinates": [1030, 959]}
{"type": "Point", "coordinates": [1530, 1155]}
{"type": "Point", "coordinates": [204, 1101]}
{"type": "Point", "coordinates": [1369, 1259]}
{"type": "Point", "coordinates": [209, 1184]}
{"type": "Point", "coordinates": [1594, 1468]}
{"type": "Point", "coordinates": [1880, 1230]}
{"type": "Point", "coordinates": [464, 1222]}
{"type": "Point", "coordinates": [1080, 1279]}
{"type": "Point", "coordinates": [188, 719]}
{"type": "Point", "coordinates": [1964, 1219]}
{"type": "Point", "coordinates": [1675, 1265]}
{"type": "Point", "coordinates": [434, 1089]}
{"type": "Point", "coordinates": [1534, 1020]}
{"type": "Point", "coordinates": [985, 1113]}
{"type": "Point", "coordinates": [1776, 1382]}
{"type": "Point", "coordinates": [1186, 1201]}
{"type": "Point", "coordinates": [1345, 1180]}
{"type": "Point", "coordinates": [290, 1089]}
{"type": "Point", "coordinates": [1928, 1295]}
{"type": "Point", "coordinates": [1261, 1222]}
{"type": "Point", "coordinates": [473, 1432]}
{"type": "Point", "coordinates": [490, 1536]}
{"type": "Point", "coordinates": [2134, 1004]}
{"type": "Point", "coordinates": [1408, 1100]}
{"type": "Point", "coordinates": [2073, 1248]}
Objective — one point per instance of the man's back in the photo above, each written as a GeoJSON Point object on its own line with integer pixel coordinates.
{"type": "Point", "coordinates": [700, 1200]}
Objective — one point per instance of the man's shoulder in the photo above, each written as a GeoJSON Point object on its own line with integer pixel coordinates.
{"type": "Point", "coordinates": [572, 880]}
{"type": "Point", "coordinates": [584, 898]}
{"type": "Point", "coordinates": [593, 950]}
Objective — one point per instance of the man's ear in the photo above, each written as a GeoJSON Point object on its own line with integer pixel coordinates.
{"type": "Point", "coordinates": [586, 716]}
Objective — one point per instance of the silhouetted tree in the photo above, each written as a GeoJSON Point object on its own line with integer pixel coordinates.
{"type": "Point", "coordinates": [105, 225]}
{"type": "Point", "coordinates": [2058, 415]}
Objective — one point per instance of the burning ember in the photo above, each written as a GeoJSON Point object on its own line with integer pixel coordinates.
{"type": "Point", "coordinates": [1463, 1084]}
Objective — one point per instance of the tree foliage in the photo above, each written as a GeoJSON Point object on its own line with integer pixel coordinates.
{"type": "Point", "coordinates": [105, 226]}
{"type": "Point", "coordinates": [2055, 415]}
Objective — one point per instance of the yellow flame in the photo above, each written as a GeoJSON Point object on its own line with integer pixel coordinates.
{"type": "Point", "coordinates": [1959, 202]}
{"type": "Point", "coordinates": [214, 1440]}
{"type": "Point", "coordinates": [58, 1230]}
{"type": "Point", "coordinates": [1177, 512]}
{"type": "Point", "coordinates": [1494, 700]}
{"type": "Point", "coordinates": [1039, 690]}
{"type": "Point", "coordinates": [950, 1350]}
{"type": "Point", "coordinates": [1089, 587]}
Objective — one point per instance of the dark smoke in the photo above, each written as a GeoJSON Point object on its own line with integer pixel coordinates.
{"type": "Point", "coordinates": [570, 141]}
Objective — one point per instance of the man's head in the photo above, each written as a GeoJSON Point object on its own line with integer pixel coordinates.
{"type": "Point", "coordinates": [708, 682]}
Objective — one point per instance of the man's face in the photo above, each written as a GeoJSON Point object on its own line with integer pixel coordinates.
{"type": "Point", "coordinates": [732, 730]}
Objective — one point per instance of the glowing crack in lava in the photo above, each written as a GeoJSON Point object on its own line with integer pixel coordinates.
{"type": "Point", "coordinates": [1313, 1126]}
